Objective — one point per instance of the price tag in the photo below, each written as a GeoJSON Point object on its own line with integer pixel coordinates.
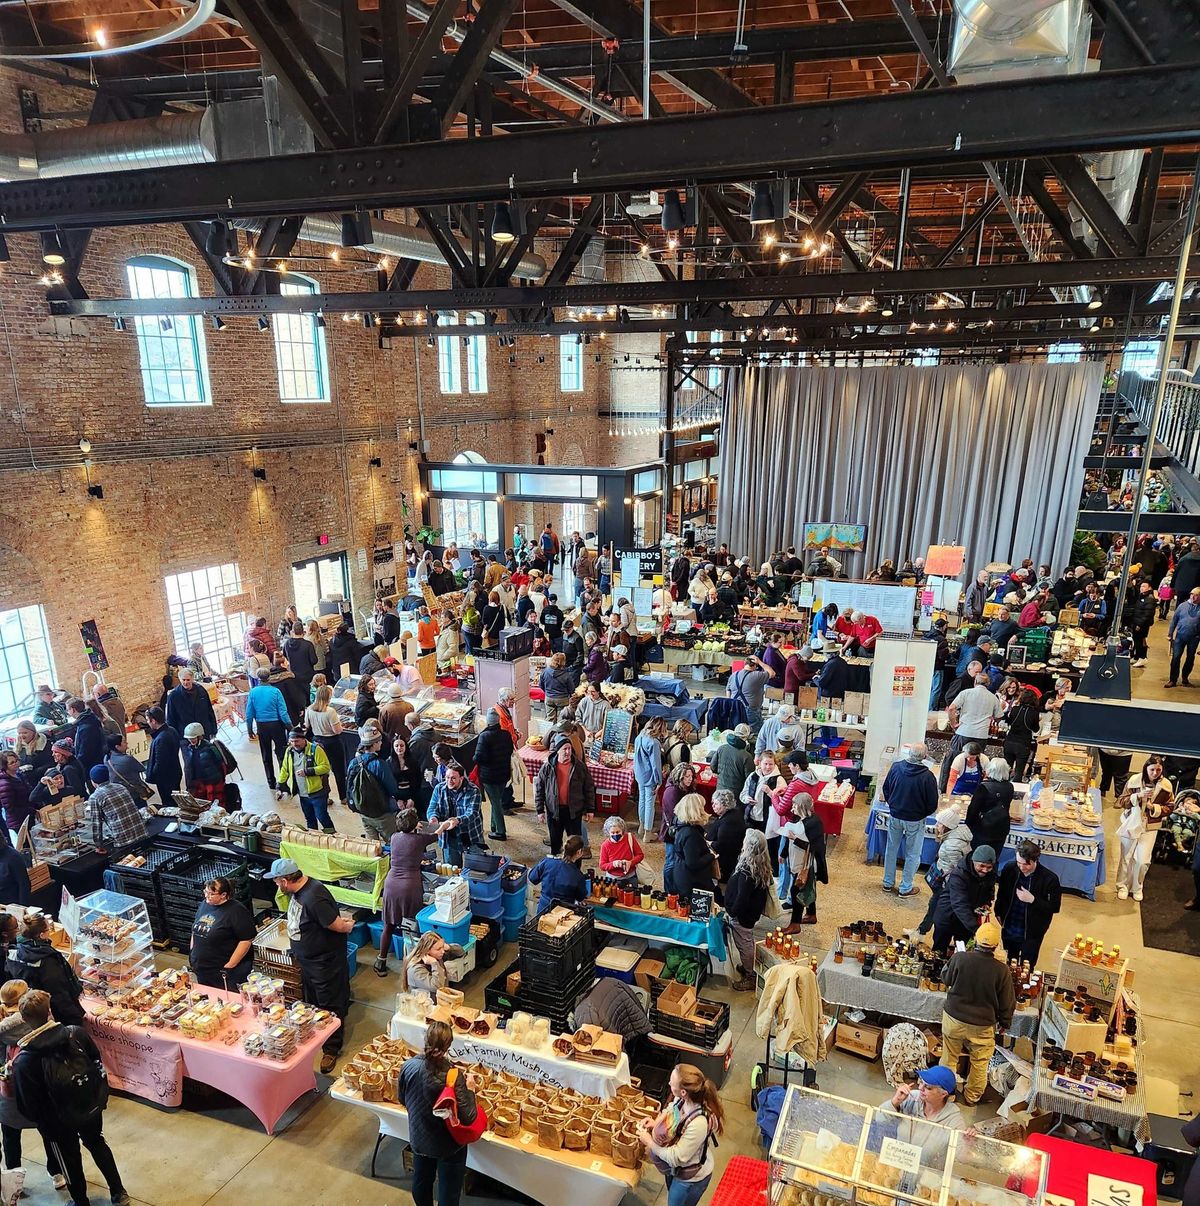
{"type": "Point", "coordinates": [1053, 1199]}
{"type": "Point", "coordinates": [527, 1138]}
{"type": "Point", "coordinates": [1108, 1191]}
{"type": "Point", "coordinates": [597, 1165]}
{"type": "Point", "coordinates": [904, 1156]}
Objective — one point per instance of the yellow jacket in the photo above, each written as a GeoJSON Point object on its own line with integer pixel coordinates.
{"type": "Point", "coordinates": [291, 776]}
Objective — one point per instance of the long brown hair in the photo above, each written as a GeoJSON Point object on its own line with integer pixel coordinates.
{"type": "Point", "coordinates": [438, 1037]}
{"type": "Point", "coordinates": [422, 947]}
{"type": "Point", "coordinates": [702, 1091]}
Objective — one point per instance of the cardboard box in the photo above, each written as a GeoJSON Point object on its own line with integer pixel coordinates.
{"type": "Point", "coordinates": [861, 1040]}
{"type": "Point", "coordinates": [678, 999]}
{"type": "Point", "coordinates": [933, 1042]}
{"type": "Point", "coordinates": [647, 970]}
{"type": "Point", "coordinates": [1102, 984]}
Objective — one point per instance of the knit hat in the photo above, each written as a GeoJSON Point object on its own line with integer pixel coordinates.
{"type": "Point", "coordinates": [395, 691]}
{"type": "Point", "coordinates": [98, 774]}
{"type": "Point", "coordinates": [195, 729]}
{"type": "Point", "coordinates": [948, 818]}
{"type": "Point", "coordinates": [984, 854]}
{"type": "Point", "coordinates": [493, 717]}
{"type": "Point", "coordinates": [65, 745]}
{"type": "Point", "coordinates": [806, 651]}
{"type": "Point", "coordinates": [988, 935]}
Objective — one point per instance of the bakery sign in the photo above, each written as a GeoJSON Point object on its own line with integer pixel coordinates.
{"type": "Point", "coordinates": [1081, 849]}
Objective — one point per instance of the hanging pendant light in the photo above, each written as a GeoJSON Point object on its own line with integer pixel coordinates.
{"type": "Point", "coordinates": [762, 207]}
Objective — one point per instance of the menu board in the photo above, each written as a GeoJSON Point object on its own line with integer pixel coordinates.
{"type": "Point", "coordinates": [618, 729]}
{"type": "Point", "coordinates": [893, 606]}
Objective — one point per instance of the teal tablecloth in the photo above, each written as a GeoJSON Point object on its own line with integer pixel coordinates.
{"type": "Point", "coordinates": [668, 929]}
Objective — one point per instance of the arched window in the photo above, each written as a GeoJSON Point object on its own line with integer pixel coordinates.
{"type": "Point", "coordinates": [300, 356]}
{"type": "Point", "coordinates": [467, 457]}
{"type": "Point", "coordinates": [170, 346]}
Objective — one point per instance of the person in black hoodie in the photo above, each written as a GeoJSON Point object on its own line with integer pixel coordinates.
{"type": "Point", "coordinates": [725, 833]}
{"type": "Point", "coordinates": [834, 676]}
{"type": "Point", "coordinates": [1024, 723]}
{"type": "Point", "coordinates": [1140, 617]}
{"type": "Point", "coordinates": [37, 963]}
{"type": "Point", "coordinates": [420, 758]}
{"type": "Point", "coordinates": [1027, 897]}
{"type": "Point", "coordinates": [163, 767]}
{"type": "Point", "coordinates": [493, 760]}
{"type": "Point", "coordinates": [64, 778]}
{"type": "Point", "coordinates": [966, 898]}
{"type": "Point", "coordinates": [345, 649]}
{"type": "Point", "coordinates": [88, 737]}
{"type": "Point", "coordinates": [988, 812]}
{"type": "Point", "coordinates": [302, 659]}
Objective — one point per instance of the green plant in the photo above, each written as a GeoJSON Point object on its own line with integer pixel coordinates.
{"type": "Point", "coordinates": [429, 535]}
{"type": "Point", "coordinates": [1085, 551]}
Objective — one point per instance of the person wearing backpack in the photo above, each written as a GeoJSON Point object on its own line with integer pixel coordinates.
{"type": "Point", "coordinates": [60, 1086]}
{"type": "Point", "coordinates": [680, 1140]}
{"type": "Point", "coordinates": [203, 767]}
{"type": "Point", "coordinates": [37, 963]}
{"type": "Point", "coordinates": [372, 786]}
{"type": "Point", "coordinates": [304, 772]}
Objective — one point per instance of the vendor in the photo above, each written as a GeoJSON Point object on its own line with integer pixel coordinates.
{"type": "Point", "coordinates": [620, 853]}
{"type": "Point", "coordinates": [768, 735]}
{"type": "Point", "coordinates": [590, 712]}
{"type": "Point", "coordinates": [424, 967]}
{"type": "Point", "coordinates": [614, 1007]}
{"type": "Point", "coordinates": [967, 770]}
{"type": "Point", "coordinates": [402, 889]}
{"type": "Point", "coordinates": [930, 1101]}
{"type": "Point", "coordinates": [33, 751]}
{"type": "Point", "coordinates": [824, 622]}
{"type": "Point", "coordinates": [865, 633]}
{"type": "Point", "coordinates": [222, 938]}
{"type": "Point", "coordinates": [561, 879]}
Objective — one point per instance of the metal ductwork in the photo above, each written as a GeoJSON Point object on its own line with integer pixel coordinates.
{"type": "Point", "coordinates": [1016, 39]}
{"type": "Point", "coordinates": [393, 239]}
{"type": "Point", "coordinates": [1116, 174]}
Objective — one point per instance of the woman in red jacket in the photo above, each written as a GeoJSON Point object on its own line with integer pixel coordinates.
{"type": "Point", "coordinates": [620, 853]}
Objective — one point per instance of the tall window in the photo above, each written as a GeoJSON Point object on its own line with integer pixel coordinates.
{"type": "Point", "coordinates": [25, 660]}
{"type": "Point", "coordinates": [1064, 353]}
{"type": "Point", "coordinates": [1141, 356]}
{"type": "Point", "coordinates": [170, 347]}
{"type": "Point", "coordinates": [713, 376]}
{"type": "Point", "coordinates": [449, 362]}
{"type": "Point", "coordinates": [570, 364]}
{"type": "Point", "coordinates": [470, 522]}
{"type": "Point", "coordinates": [689, 382]}
{"type": "Point", "coordinates": [300, 349]}
{"type": "Point", "coordinates": [924, 357]}
{"type": "Point", "coordinates": [476, 357]}
{"type": "Point", "coordinates": [196, 603]}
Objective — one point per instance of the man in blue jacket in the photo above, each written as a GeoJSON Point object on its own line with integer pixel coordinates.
{"type": "Point", "coordinates": [1184, 635]}
{"type": "Point", "coordinates": [266, 710]}
{"type": "Point", "coordinates": [910, 791]}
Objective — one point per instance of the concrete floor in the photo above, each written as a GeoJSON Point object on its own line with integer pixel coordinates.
{"type": "Point", "coordinates": [216, 1153]}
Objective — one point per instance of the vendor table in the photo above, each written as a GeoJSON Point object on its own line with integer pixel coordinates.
{"type": "Point", "coordinates": [663, 684]}
{"type": "Point", "coordinates": [1073, 1165]}
{"type": "Point", "coordinates": [613, 783]}
{"type": "Point", "coordinates": [859, 676]}
{"type": "Point", "coordinates": [151, 1063]}
{"type": "Point", "coordinates": [545, 1176]}
{"type": "Point", "coordinates": [331, 865]}
{"type": "Point", "coordinates": [701, 935]}
{"type": "Point", "coordinates": [693, 711]}
{"type": "Point", "coordinates": [502, 1055]}
{"type": "Point", "coordinates": [1077, 861]}
{"type": "Point", "coordinates": [844, 984]}
{"type": "Point", "coordinates": [695, 657]}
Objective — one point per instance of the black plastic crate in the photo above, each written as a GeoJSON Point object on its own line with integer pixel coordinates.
{"type": "Point", "coordinates": [555, 970]}
{"type": "Point", "coordinates": [156, 854]}
{"type": "Point", "coordinates": [556, 1005]}
{"type": "Point", "coordinates": [186, 877]}
{"type": "Point", "coordinates": [706, 1034]}
{"type": "Point", "coordinates": [580, 936]}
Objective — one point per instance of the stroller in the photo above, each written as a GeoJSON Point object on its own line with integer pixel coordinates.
{"type": "Point", "coordinates": [1176, 842]}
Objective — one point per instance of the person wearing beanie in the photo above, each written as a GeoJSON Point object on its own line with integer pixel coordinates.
{"type": "Point", "coordinates": [394, 712]}
{"type": "Point", "coordinates": [733, 761]}
{"type": "Point", "coordinates": [954, 844]}
{"type": "Point", "coordinates": [305, 772]}
{"type": "Point", "coordinates": [966, 900]}
{"type": "Point", "coordinates": [798, 671]}
{"type": "Point", "coordinates": [979, 998]}
{"type": "Point", "coordinates": [116, 820]}
{"type": "Point", "coordinates": [1027, 897]}
{"type": "Point", "coordinates": [911, 794]}
{"type": "Point", "coordinates": [493, 760]}
{"type": "Point", "coordinates": [372, 785]}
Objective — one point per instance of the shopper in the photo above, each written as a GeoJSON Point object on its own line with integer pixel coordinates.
{"type": "Point", "coordinates": [394, 713]}
{"type": "Point", "coordinates": [424, 969]}
{"type": "Point", "coordinates": [1024, 724]}
{"type": "Point", "coordinates": [989, 813]}
{"type": "Point", "coordinates": [1027, 897]}
{"type": "Point", "coordinates": [403, 895]}
{"type": "Point", "coordinates": [1145, 801]}
{"type": "Point", "coordinates": [746, 896]}
{"type": "Point", "coordinates": [557, 685]}
{"type": "Point", "coordinates": [203, 766]}
{"type": "Point", "coordinates": [37, 963]}
{"type": "Point", "coordinates": [693, 862]}
{"type": "Point", "coordinates": [979, 998]}
{"type": "Point", "coordinates": [648, 770]}
{"type": "Point", "coordinates": [911, 794]}
{"type": "Point", "coordinates": [929, 1102]}
{"type": "Point", "coordinates": [435, 1152]}
{"type": "Point", "coordinates": [457, 800]}
{"type": "Point", "coordinates": [188, 703]}
{"type": "Point", "coordinates": [222, 950]}
{"type": "Point", "coordinates": [63, 777]}
{"type": "Point", "coordinates": [1184, 633]}
{"type": "Point", "coordinates": [87, 738]}
{"type": "Point", "coordinates": [971, 713]}
{"type": "Point", "coordinates": [323, 724]}
{"type": "Point", "coordinates": [59, 1084]}
{"type": "Point", "coordinates": [267, 722]}
{"type": "Point", "coordinates": [591, 712]}
{"type": "Point", "coordinates": [163, 768]}
{"type": "Point", "coordinates": [725, 833]}
{"type": "Point", "coordinates": [680, 1140]}
{"type": "Point", "coordinates": [954, 844]}
{"type": "Point", "coordinates": [732, 761]}
{"type": "Point", "coordinates": [494, 751]}
{"type": "Point", "coordinates": [564, 793]}
{"type": "Point", "coordinates": [966, 899]}
{"type": "Point", "coordinates": [304, 772]}
{"type": "Point", "coordinates": [317, 931]}
{"type": "Point", "coordinates": [116, 819]}
{"type": "Point", "coordinates": [14, 794]}
{"type": "Point", "coordinates": [301, 658]}
{"type": "Point", "coordinates": [806, 860]}
{"type": "Point", "coordinates": [371, 788]}
{"type": "Point", "coordinates": [746, 686]}
{"type": "Point", "coordinates": [561, 879]}
{"type": "Point", "coordinates": [620, 853]}
{"type": "Point", "coordinates": [14, 878]}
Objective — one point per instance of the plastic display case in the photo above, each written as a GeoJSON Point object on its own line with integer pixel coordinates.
{"type": "Point", "coordinates": [450, 710]}
{"type": "Point", "coordinates": [345, 696]}
{"type": "Point", "coordinates": [113, 942]}
{"type": "Point", "coordinates": [828, 1150]}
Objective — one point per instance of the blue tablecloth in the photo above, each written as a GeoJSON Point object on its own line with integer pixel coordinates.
{"type": "Point", "coordinates": [1078, 874]}
{"type": "Point", "coordinates": [663, 684]}
{"type": "Point", "coordinates": [668, 929]}
{"type": "Point", "coordinates": [693, 711]}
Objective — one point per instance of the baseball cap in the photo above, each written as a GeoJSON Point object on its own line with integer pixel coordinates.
{"type": "Point", "coordinates": [195, 729]}
{"type": "Point", "coordinates": [282, 867]}
{"type": "Point", "coordinates": [940, 1077]}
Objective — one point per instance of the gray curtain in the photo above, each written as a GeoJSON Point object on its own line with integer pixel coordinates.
{"type": "Point", "coordinates": [989, 456]}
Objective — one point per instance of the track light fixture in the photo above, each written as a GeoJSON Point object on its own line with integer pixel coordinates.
{"type": "Point", "coordinates": [376, 462]}
{"type": "Point", "coordinates": [368, 321]}
{"type": "Point", "coordinates": [165, 322]}
{"type": "Point", "coordinates": [52, 249]}
{"type": "Point", "coordinates": [258, 473]}
{"type": "Point", "coordinates": [119, 324]}
{"type": "Point", "coordinates": [96, 490]}
{"type": "Point", "coordinates": [762, 207]}
{"type": "Point", "coordinates": [216, 242]}
{"type": "Point", "coordinates": [264, 323]}
{"type": "Point", "coordinates": [356, 229]}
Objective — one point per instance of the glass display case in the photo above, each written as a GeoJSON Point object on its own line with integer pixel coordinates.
{"type": "Point", "coordinates": [449, 709]}
{"type": "Point", "coordinates": [113, 942]}
{"type": "Point", "coordinates": [828, 1150]}
{"type": "Point", "coordinates": [345, 696]}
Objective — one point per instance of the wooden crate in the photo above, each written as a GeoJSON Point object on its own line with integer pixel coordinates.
{"type": "Point", "coordinates": [863, 1039]}
{"type": "Point", "coordinates": [1103, 984]}
{"type": "Point", "coordinates": [1070, 1033]}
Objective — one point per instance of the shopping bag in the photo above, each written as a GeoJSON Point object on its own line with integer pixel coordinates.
{"type": "Point", "coordinates": [772, 909]}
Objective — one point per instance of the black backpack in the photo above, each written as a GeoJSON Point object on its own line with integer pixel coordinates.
{"type": "Point", "coordinates": [367, 796]}
{"type": "Point", "coordinates": [75, 1082]}
{"type": "Point", "coordinates": [225, 754]}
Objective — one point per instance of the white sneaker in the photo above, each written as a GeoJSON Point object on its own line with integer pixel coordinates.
{"type": "Point", "coordinates": [1122, 893]}
{"type": "Point", "coordinates": [1137, 896]}
{"type": "Point", "coordinates": [1141, 661]}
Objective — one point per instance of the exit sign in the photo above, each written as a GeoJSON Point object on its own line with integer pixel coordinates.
{"type": "Point", "coordinates": [323, 539]}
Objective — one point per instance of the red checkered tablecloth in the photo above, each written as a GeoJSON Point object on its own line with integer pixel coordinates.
{"type": "Point", "coordinates": [743, 1183]}
{"type": "Point", "coordinates": [609, 780]}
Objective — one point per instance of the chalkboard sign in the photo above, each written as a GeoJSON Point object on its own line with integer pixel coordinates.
{"type": "Point", "coordinates": [93, 646]}
{"type": "Point", "coordinates": [702, 905]}
{"type": "Point", "coordinates": [618, 728]}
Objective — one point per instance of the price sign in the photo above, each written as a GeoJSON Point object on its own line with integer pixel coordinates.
{"type": "Point", "coordinates": [904, 1156]}
{"type": "Point", "coordinates": [1108, 1191]}
{"type": "Point", "coordinates": [904, 680]}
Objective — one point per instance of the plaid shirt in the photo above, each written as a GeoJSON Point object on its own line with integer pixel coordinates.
{"type": "Point", "coordinates": [463, 804]}
{"type": "Point", "coordinates": [115, 813]}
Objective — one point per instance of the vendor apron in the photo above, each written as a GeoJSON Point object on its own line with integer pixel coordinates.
{"type": "Point", "coordinates": [969, 780]}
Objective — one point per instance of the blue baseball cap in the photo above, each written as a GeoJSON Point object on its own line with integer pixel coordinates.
{"type": "Point", "coordinates": [940, 1078]}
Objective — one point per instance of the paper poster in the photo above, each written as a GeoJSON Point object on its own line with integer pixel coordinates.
{"type": "Point", "coordinates": [643, 600]}
{"type": "Point", "coordinates": [361, 559]}
{"type": "Point", "coordinates": [945, 560]}
{"type": "Point", "coordinates": [631, 571]}
{"type": "Point", "coordinates": [804, 597]}
{"type": "Point", "coordinates": [925, 614]}
{"type": "Point", "coordinates": [242, 602]}
{"type": "Point", "coordinates": [904, 680]}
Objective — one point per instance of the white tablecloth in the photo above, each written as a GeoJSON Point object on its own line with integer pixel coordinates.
{"type": "Point", "coordinates": [498, 1053]}
{"type": "Point", "coordinates": [551, 1178]}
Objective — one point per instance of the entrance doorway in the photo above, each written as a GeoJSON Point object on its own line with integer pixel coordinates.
{"type": "Point", "coordinates": [318, 579]}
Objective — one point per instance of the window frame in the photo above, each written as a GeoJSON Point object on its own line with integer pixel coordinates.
{"type": "Point", "coordinates": [22, 705]}
{"type": "Point", "coordinates": [314, 340]}
{"type": "Point", "coordinates": [570, 364]}
{"type": "Point", "coordinates": [926, 357]}
{"type": "Point", "coordinates": [477, 357]}
{"type": "Point", "coordinates": [150, 332]}
{"type": "Point", "coordinates": [222, 645]}
{"type": "Point", "coordinates": [450, 376]}
{"type": "Point", "coordinates": [1138, 352]}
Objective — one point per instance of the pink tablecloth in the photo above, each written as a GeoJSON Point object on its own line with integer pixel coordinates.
{"type": "Point", "coordinates": [152, 1063]}
{"type": "Point", "coordinates": [609, 780]}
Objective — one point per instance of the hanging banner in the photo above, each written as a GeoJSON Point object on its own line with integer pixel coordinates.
{"type": "Point", "coordinates": [383, 561]}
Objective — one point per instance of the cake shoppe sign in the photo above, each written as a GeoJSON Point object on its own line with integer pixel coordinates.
{"type": "Point", "coordinates": [150, 1068]}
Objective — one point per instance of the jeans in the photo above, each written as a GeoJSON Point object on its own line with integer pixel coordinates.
{"type": "Point", "coordinates": [11, 1138]}
{"type": "Point", "coordinates": [271, 736]}
{"type": "Point", "coordinates": [669, 863]}
{"type": "Point", "coordinates": [1018, 755]}
{"type": "Point", "coordinates": [783, 887]}
{"type": "Point", "coordinates": [497, 794]}
{"type": "Point", "coordinates": [912, 835]}
{"type": "Point", "coordinates": [646, 793]}
{"type": "Point", "coordinates": [65, 1145]}
{"type": "Point", "coordinates": [316, 810]}
{"type": "Point", "coordinates": [1178, 650]}
{"type": "Point", "coordinates": [935, 689]}
{"type": "Point", "coordinates": [979, 1042]}
{"type": "Point", "coordinates": [449, 1173]}
{"type": "Point", "coordinates": [686, 1193]}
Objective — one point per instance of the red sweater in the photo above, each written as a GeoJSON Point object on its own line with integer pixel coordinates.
{"type": "Point", "coordinates": [627, 848]}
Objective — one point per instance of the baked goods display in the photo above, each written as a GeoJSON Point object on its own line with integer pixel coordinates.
{"type": "Point", "coordinates": [367, 847]}
{"type": "Point", "coordinates": [1065, 815]}
{"type": "Point", "coordinates": [113, 942]}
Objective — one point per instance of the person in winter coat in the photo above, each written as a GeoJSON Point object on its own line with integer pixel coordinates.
{"type": "Point", "coordinates": [1024, 724]}
{"type": "Point", "coordinates": [692, 867]}
{"type": "Point", "coordinates": [301, 657]}
{"type": "Point", "coordinates": [1027, 897]}
{"type": "Point", "coordinates": [88, 737]}
{"type": "Point", "coordinates": [64, 777]}
{"type": "Point", "coordinates": [954, 844]}
{"type": "Point", "coordinates": [595, 666]}
{"type": "Point", "coordinates": [493, 761]}
{"type": "Point", "coordinates": [648, 771]}
{"type": "Point", "coordinates": [798, 671]}
{"type": "Point", "coordinates": [14, 879]}
{"type": "Point", "coordinates": [977, 596]}
{"type": "Point", "coordinates": [345, 649]}
{"type": "Point", "coordinates": [733, 761]}
{"type": "Point", "coordinates": [966, 898]}
{"type": "Point", "coordinates": [1187, 573]}
{"type": "Point", "coordinates": [725, 833]}
{"type": "Point", "coordinates": [1146, 800]}
{"type": "Point", "coordinates": [561, 879]}
{"type": "Point", "coordinates": [558, 684]}
{"type": "Point", "coordinates": [620, 853]}
{"type": "Point", "coordinates": [1140, 617]}
{"type": "Point", "coordinates": [14, 793]}
{"type": "Point", "coordinates": [806, 859]}
{"type": "Point", "coordinates": [988, 813]}
{"type": "Point", "coordinates": [614, 1007]}
{"type": "Point", "coordinates": [37, 963]}
{"type": "Point", "coordinates": [564, 793]}
{"type": "Point", "coordinates": [163, 768]}
{"type": "Point", "coordinates": [680, 783]}
{"type": "Point", "coordinates": [911, 793]}
{"type": "Point", "coordinates": [746, 896]}
{"type": "Point", "coordinates": [203, 767]}
{"type": "Point", "coordinates": [834, 677]}
{"type": "Point", "coordinates": [188, 703]}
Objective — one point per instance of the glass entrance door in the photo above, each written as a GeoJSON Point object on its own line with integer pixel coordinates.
{"type": "Point", "coordinates": [318, 579]}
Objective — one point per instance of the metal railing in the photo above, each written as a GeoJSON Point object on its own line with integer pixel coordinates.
{"type": "Point", "coordinates": [1179, 420]}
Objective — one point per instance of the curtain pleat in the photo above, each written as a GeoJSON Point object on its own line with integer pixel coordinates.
{"type": "Point", "coordinates": [987, 456]}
